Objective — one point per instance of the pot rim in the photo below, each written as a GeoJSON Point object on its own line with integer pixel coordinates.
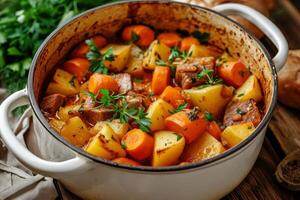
{"type": "Point", "coordinates": [201, 164]}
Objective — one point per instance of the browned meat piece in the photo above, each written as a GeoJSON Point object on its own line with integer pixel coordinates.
{"type": "Point", "coordinates": [124, 81]}
{"type": "Point", "coordinates": [50, 104]}
{"type": "Point", "coordinates": [241, 112]}
{"type": "Point", "coordinates": [186, 72]}
{"type": "Point", "coordinates": [92, 116]}
{"type": "Point", "coordinates": [134, 100]}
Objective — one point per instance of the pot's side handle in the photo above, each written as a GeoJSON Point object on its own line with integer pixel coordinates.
{"type": "Point", "coordinates": [44, 167]}
{"type": "Point", "coordinates": [262, 22]}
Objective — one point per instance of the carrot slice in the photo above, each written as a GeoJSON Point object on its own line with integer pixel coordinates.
{"type": "Point", "coordinates": [214, 129]}
{"type": "Point", "coordinates": [234, 73]}
{"type": "Point", "coordinates": [161, 79]}
{"type": "Point", "coordinates": [78, 67]}
{"type": "Point", "coordinates": [101, 81]}
{"type": "Point", "coordinates": [173, 96]}
{"type": "Point", "coordinates": [138, 144]}
{"type": "Point", "coordinates": [83, 48]}
{"type": "Point", "coordinates": [170, 39]}
{"type": "Point", "coordinates": [191, 126]}
{"type": "Point", "coordinates": [140, 34]}
{"type": "Point", "coordinates": [126, 161]}
{"type": "Point", "coordinates": [187, 42]}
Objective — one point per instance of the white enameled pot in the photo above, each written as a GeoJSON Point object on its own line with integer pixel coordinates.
{"type": "Point", "coordinates": [94, 178]}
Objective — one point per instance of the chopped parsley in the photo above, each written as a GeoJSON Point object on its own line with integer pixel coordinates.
{"type": "Point", "coordinates": [178, 137]}
{"type": "Point", "coordinates": [135, 37]}
{"type": "Point", "coordinates": [209, 74]}
{"type": "Point", "coordinates": [240, 95]}
{"type": "Point", "coordinates": [176, 53]}
{"type": "Point", "coordinates": [208, 116]}
{"type": "Point", "coordinates": [97, 59]}
{"type": "Point", "coordinates": [179, 108]}
{"type": "Point", "coordinates": [240, 112]}
{"type": "Point", "coordinates": [193, 114]}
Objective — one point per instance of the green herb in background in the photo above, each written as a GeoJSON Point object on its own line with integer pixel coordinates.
{"type": "Point", "coordinates": [24, 24]}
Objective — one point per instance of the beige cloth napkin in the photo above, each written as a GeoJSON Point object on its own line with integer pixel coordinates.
{"type": "Point", "coordinates": [18, 182]}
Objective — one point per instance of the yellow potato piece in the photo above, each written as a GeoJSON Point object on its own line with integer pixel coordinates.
{"type": "Point", "coordinates": [63, 83]}
{"type": "Point", "coordinates": [121, 55]}
{"type": "Point", "coordinates": [57, 124]}
{"type": "Point", "coordinates": [158, 111]}
{"type": "Point", "coordinates": [75, 131]}
{"type": "Point", "coordinates": [105, 144]}
{"type": "Point", "coordinates": [210, 98]}
{"type": "Point", "coordinates": [63, 112]}
{"type": "Point", "coordinates": [204, 147]}
{"type": "Point", "coordinates": [135, 62]}
{"type": "Point", "coordinates": [202, 51]}
{"type": "Point", "coordinates": [119, 128]}
{"type": "Point", "coordinates": [168, 146]}
{"type": "Point", "coordinates": [235, 134]}
{"type": "Point", "coordinates": [156, 51]}
{"type": "Point", "coordinates": [249, 90]}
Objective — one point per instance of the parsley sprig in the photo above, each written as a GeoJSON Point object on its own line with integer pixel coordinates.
{"type": "Point", "coordinates": [121, 109]}
{"type": "Point", "coordinates": [97, 59]}
{"type": "Point", "coordinates": [176, 53]}
{"type": "Point", "coordinates": [179, 108]}
{"type": "Point", "coordinates": [211, 79]}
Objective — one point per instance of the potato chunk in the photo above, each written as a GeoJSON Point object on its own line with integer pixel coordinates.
{"type": "Point", "coordinates": [105, 144]}
{"type": "Point", "coordinates": [156, 51]}
{"type": "Point", "coordinates": [75, 131]}
{"type": "Point", "coordinates": [235, 134]}
{"type": "Point", "coordinates": [158, 111]}
{"type": "Point", "coordinates": [121, 55]}
{"type": "Point", "coordinates": [64, 112]}
{"type": "Point", "coordinates": [212, 98]}
{"type": "Point", "coordinates": [168, 147]}
{"type": "Point", "coordinates": [119, 128]}
{"type": "Point", "coordinates": [249, 90]}
{"type": "Point", "coordinates": [204, 51]}
{"type": "Point", "coordinates": [204, 147]}
{"type": "Point", "coordinates": [135, 62]}
{"type": "Point", "coordinates": [63, 83]}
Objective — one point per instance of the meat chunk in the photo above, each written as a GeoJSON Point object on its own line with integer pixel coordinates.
{"type": "Point", "coordinates": [134, 100]}
{"type": "Point", "coordinates": [92, 116]}
{"type": "Point", "coordinates": [124, 81]}
{"type": "Point", "coordinates": [241, 112]}
{"type": "Point", "coordinates": [50, 104]}
{"type": "Point", "coordinates": [186, 72]}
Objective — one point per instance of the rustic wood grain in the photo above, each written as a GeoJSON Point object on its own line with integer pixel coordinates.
{"type": "Point", "coordinates": [285, 126]}
{"type": "Point", "coordinates": [260, 184]}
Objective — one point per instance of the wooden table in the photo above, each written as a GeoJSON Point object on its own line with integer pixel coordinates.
{"type": "Point", "coordinates": [285, 125]}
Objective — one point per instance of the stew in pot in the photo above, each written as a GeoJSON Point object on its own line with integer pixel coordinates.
{"type": "Point", "coordinates": [153, 98]}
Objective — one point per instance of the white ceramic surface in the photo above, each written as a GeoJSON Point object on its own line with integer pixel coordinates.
{"type": "Point", "coordinates": [99, 180]}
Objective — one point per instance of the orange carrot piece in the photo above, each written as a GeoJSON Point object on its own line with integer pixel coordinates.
{"type": "Point", "coordinates": [173, 96]}
{"type": "Point", "coordinates": [138, 144]}
{"type": "Point", "coordinates": [78, 67]}
{"type": "Point", "coordinates": [170, 39]}
{"type": "Point", "coordinates": [161, 79]}
{"type": "Point", "coordinates": [140, 34]}
{"type": "Point", "coordinates": [101, 81]}
{"type": "Point", "coordinates": [83, 48]}
{"type": "Point", "coordinates": [214, 129]}
{"type": "Point", "coordinates": [187, 124]}
{"type": "Point", "coordinates": [233, 73]}
{"type": "Point", "coordinates": [126, 161]}
{"type": "Point", "coordinates": [187, 42]}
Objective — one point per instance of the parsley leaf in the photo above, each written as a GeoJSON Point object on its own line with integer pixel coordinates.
{"type": "Point", "coordinates": [179, 108]}
{"type": "Point", "coordinates": [178, 137]}
{"type": "Point", "coordinates": [209, 74]}
{"type": "Point", "coordinates": [240, 111]}
{"type": "Point", "coordinates": [208, 116]}
{"type": "Point", "coordinates": [202, 37]}
{"type": "Point", "coordinates": [135, 37]}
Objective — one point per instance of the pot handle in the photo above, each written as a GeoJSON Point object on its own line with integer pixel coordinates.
{"type": "Point", "coordinates": [44, 167]}
{"type": "Point", "coordinates": [262, 22]}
